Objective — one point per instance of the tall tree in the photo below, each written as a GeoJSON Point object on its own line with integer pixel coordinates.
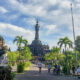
{"type": "Point", "coordinates": [18, 40]}
{"type": "Point", "coordinates": [25, 42]}
{"type": "Point", "coordinates": [66, 42]}
{"type": "Point", "coordinates": [54, 56]}
{"type": "Point", "coordinates": [55, 49]}
{"type": "Point", "coordinates": [77, 43]}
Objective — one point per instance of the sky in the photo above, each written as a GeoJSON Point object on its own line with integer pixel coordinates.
{"type": "Point", "coordinates": [18, 18]}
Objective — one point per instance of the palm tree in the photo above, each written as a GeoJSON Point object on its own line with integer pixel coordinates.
{"type": "Point", "coordinates": [25, 42]}
{"type": "Point", "coordinates": [66, 42]}
{"type": "Point", "coordinates": [18, 40]}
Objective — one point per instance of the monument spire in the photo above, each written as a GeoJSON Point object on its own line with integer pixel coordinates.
{"type": "Point", "coordinates": [37, 31]}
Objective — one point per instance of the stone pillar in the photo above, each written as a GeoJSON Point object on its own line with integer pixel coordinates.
{"type": "Point", "coordinates": [37, 31]}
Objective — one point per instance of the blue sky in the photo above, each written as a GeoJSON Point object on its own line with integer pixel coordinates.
{"type": "Point", "coordinates": [18, 17]}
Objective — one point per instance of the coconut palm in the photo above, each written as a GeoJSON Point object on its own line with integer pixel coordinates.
{"type": "Point", "coordinates": [18, 40]}
{"type": "Point", "coordinates": [25, 42]}
{"type": "Point", "coordinates": [66, 42]}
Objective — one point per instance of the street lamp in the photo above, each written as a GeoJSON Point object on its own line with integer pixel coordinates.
{"type": "Point", "coordinates": [74, 34]}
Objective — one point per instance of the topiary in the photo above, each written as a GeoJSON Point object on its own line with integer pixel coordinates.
{"type": "Point", "coordinates": [20, 67]}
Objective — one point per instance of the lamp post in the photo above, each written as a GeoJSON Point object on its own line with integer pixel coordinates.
{"type": "Point", "coordinates": [74, 34]}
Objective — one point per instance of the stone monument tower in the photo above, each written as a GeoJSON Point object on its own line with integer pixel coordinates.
{"type": "Point", "coordinates": [37, 31]}
{"type": "Point", "coordinates": [3, 53]}
{"type": "Point", "coordinates": [37, 48]}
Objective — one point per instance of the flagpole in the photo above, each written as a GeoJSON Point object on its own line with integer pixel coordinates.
{"type": "Point", "coordinates": [74, 34]}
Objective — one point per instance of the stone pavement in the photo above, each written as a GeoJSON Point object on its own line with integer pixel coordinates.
{"type": "Point", "coordinates": [33, 74]}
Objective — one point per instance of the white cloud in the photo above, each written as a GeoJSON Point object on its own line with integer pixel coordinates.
{"type": "Point", "coordinates": [12, 46]}
{"type": "Point", "coordinates": [78, 5]}
{"type": "Point", "coordinates": [60, 15]}
{"type": "Point", "coordinates": [30, 21]}
{"type": "Point", "coordinates": [52, 43]}
{"type": "Point", "coordinates": [50, 29]}
{"type": "Point", "coordinates": [12, 31]}
{"type": "Point", "coordinates": [77, 0]}
{"type": "Point", "coordinates": [39, 7]}
{"type": "Point", "coordinates": [55, 12]}
{"type": "Point", "coordinates": [65, 4]}
{"type": "Point", "coordinates": [27, 9]}
{"type": "Point", "coordinates": [3, 10]}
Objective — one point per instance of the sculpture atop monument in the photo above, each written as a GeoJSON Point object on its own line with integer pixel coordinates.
{"type": "Point", "coordinates": [36, 46]}
{"type": "Point", "coordinates": [3, 53]}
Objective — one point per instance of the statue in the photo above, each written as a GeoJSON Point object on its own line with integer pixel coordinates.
{"type": "Point", "coordinates": [3, 53]}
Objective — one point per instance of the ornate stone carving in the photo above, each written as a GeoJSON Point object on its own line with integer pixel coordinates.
{"type": "Point", "coordinates": [3, 53]}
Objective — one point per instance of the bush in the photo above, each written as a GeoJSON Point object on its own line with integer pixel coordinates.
{"type": "Point", "coordinates": [64, 69]}
{"type": "Point", "coordinates": [10, 64]}
{"type": "Point", "coordinates": [6, 74]}
{"type": "Point", "coordinates": [20, 67]}
{"type": "Point", "coordinates": [13, 75]}
{"type": "Point", "coordinates": [12, 57]}
{"type": "Point", "coordinates": [27, 64]}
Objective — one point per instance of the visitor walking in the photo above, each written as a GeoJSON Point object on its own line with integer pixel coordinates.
{"type": "Point", "coordinates": [73, 69]}
{"type": "Point", "coordinates": [39, 66]}
{"type": "Point", "coordinates": [55, 69]}
{"type": "Point", "coordinates": [49, 67]}
{"type": "Point", "coordinates": [78, 70]}
{"type": "Point", "coordinates": [58, 69]}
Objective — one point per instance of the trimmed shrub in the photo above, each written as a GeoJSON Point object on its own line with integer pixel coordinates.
{"type": "Point", "coordinates": [20, 67]}
{"type": "Point", "coordinates": [64, 69]}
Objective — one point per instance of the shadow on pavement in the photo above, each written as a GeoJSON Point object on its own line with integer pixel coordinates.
{"type": "Point", "coordinates": [44, 75]}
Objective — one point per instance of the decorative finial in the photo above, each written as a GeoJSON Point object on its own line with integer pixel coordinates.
{"type": "Point", "coordinates": [37, 21]}
{"type": "Point", "coordinates": [71, 4]}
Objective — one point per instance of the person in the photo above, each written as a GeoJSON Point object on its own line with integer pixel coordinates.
{"type": "Point", "coordinates": [78, 70]}
{"type": "Point", "coordinates": [58, 69]}
{"type": "Point", "coordinates": [39, 66]}
{"type": "Point", "coordinates": [73, 69]}
{"type": "Point", "coordinates": [55, 69]}
{"type": "Point", "coordinates": [49, 67]}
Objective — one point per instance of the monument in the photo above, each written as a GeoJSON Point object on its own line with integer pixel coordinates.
{"type": "Point", "coordinates": [3, 53]}
{"type": "Point", "coordinates": [36, 47]}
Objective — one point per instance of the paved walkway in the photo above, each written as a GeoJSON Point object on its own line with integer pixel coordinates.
{"type": "Point", "coordinates": [33, 74]}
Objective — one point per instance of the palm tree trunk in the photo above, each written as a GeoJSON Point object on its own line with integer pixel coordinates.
{"type": "Point", "coordinates": [19, 51]}
{"type": "Point", "coordinates": [66, 61]}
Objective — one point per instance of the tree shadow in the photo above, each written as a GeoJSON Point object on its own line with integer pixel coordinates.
{"type": "Point", "coordinates": [33, 74]}
{"type": "Point", "coordinates": [44, 75]}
